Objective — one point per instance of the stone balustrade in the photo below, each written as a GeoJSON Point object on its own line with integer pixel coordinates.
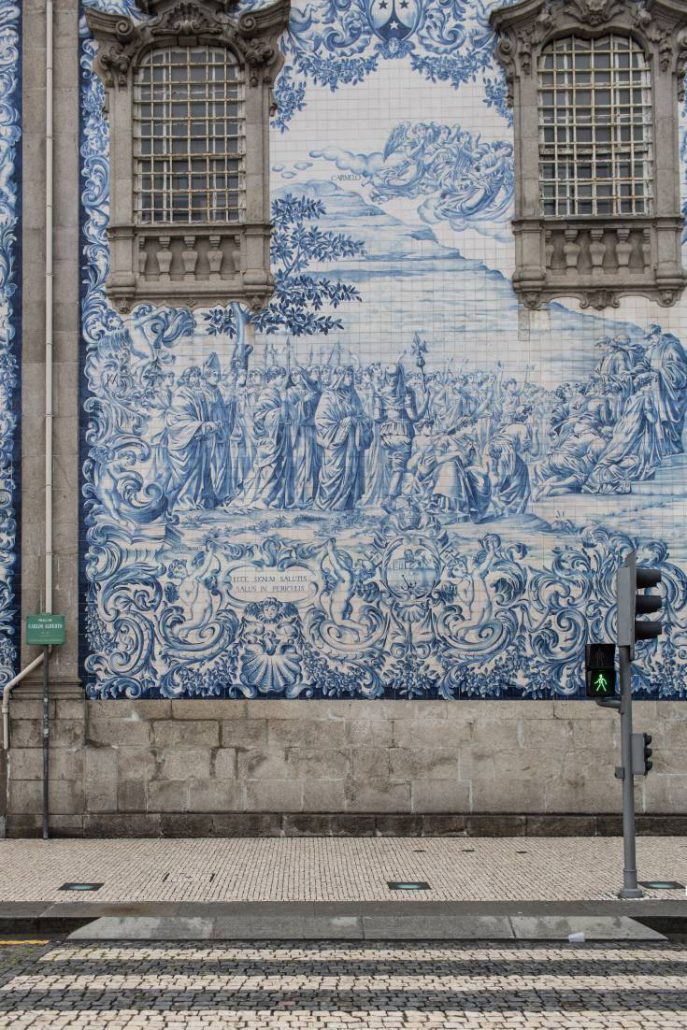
{"type": "Point", "coordinates": [188, 254]}
{"type": "Point", "coordinates": [597, 260]}
{"type": "Point", "coordinates": [599, 252]}
{"type": "Point", "coordinates": [190, 265]}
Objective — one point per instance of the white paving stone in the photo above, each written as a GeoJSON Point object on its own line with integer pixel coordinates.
{"type": "Point", "coordinates": [330, 869]}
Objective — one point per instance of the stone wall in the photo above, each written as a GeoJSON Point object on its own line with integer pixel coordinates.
{"type": "Point", "coordinates": [271, 767]}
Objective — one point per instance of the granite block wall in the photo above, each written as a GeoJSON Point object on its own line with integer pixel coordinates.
{"type": "Point", "coordinates": [176, 768]}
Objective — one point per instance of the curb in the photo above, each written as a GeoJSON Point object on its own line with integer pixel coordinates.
{"type": "Point", "coordinates": [384, 920]}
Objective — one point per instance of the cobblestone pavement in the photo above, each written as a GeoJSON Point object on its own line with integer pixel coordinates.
{"type": "Point", "coordinates": [342, 986]}
{"type": "Point", "coordinates": [330, 869]}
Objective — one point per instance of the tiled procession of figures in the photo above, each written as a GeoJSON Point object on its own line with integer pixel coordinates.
{"type": "Point", "coordinates": [467, 445]}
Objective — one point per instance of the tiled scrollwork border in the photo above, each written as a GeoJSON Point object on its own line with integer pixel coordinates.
{"type": "Point", "coordinates": [10, 332]}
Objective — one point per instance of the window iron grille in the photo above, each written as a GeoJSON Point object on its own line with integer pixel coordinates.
{"type": "Point", "coordinates": [189, 137]}
{"type": "Point", "coordinates": [595, 128]}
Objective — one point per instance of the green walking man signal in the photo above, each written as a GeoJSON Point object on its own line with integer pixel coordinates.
{"type": "Point", "coordinates": [601, 683]}
{"type": "Point", "coordinates": [600, 670]}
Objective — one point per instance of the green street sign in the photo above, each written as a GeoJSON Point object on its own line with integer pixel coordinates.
{"type": "Point", "coordinates": [45, 629]}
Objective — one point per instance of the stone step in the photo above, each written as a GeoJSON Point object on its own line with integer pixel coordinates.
{"type": "Point", "coordinates": [358, 926]}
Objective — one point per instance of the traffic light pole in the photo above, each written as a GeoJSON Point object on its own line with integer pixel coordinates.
{"type": "Point", "coordinates": [630, 888]}
{"type": "Point", "coordinates": [631, 582]}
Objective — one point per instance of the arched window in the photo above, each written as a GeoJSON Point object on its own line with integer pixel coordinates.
{"type": "Point", "coordinates": [189, 92]}
{"type": "Point", "coordinates": [595, 87]}
{"type": "Point", "coordinates": [595, 127]}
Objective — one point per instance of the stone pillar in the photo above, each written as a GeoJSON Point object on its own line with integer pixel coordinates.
{"type": "Point", "coordinates": [67, 709]}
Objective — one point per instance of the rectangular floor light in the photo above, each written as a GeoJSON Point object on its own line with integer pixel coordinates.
{"type": "Point", "coordinates": [408, 885]}
{"type": "Point", "coordinates": [81, 886]}
{"type": "Point", "coordinates": [662, 885]}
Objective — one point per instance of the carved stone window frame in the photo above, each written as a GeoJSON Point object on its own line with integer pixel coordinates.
{"type": "Point", "coordinates": [199, 264]}
{"type": "Point", "coordinates": [598, 258]}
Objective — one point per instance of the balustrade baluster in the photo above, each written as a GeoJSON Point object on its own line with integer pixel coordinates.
{"type": "Point", "coordinates": [571, 248]}
{"type": "Point", "coordinates": [189, 258]}
{"type": "Point", "coordinates": [215, 257]}
{"type": "Point", "coordinates": [164, 258]}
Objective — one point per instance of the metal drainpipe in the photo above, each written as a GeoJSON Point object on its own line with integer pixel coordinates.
{"type": "Point", "coordinates": [6, 698]}
{"type": "Point", "coordinates": [49, 413]}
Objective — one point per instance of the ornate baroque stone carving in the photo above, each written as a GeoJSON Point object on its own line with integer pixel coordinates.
{"type": "Point", "coordinates": [188, 22]}
{"type": "Point", "coordinates": [599, 299]}
{"type": "Point", "coordinates": [599, 259]}
{"type": "Point", "coordinates": [658, 22]}
{"type": "Point", "coordinates": [229, 262]}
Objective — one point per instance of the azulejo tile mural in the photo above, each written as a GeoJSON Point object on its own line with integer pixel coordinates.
{"type": "Point", "coordinates": [10, 324]}
{"type": "Point", "coordinates": [391, 482]}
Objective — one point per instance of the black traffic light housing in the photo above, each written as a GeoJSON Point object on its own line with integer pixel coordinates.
{"type": "Point", "coordinates": [648, 752]}
{"type": "Point", "coordinates": [600, 670]}
{"type": "Point", "coordinates": [632, 602]}
{"type": "Point", "coordinates": [641, 754]}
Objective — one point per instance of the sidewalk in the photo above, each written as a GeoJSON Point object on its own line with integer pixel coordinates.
{"type": "Point", "coordinates": [327, 887]}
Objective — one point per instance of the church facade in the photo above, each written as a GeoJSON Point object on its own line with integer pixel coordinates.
{"type": "Point", "coordinates": [338, 496]}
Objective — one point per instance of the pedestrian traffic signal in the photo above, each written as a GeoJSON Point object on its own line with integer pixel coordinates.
{"type": "Point", "coordinates": [601, 684]}
{"type": "Point", "coordinates": [600, 670]}
{"type": "Point", "coordinates": [631, 583]}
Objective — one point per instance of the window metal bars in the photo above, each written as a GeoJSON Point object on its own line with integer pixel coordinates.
{"type": "Point", "coordinates": [595, 128]}
{"type": "Point", "coordinates": [189, 137]}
